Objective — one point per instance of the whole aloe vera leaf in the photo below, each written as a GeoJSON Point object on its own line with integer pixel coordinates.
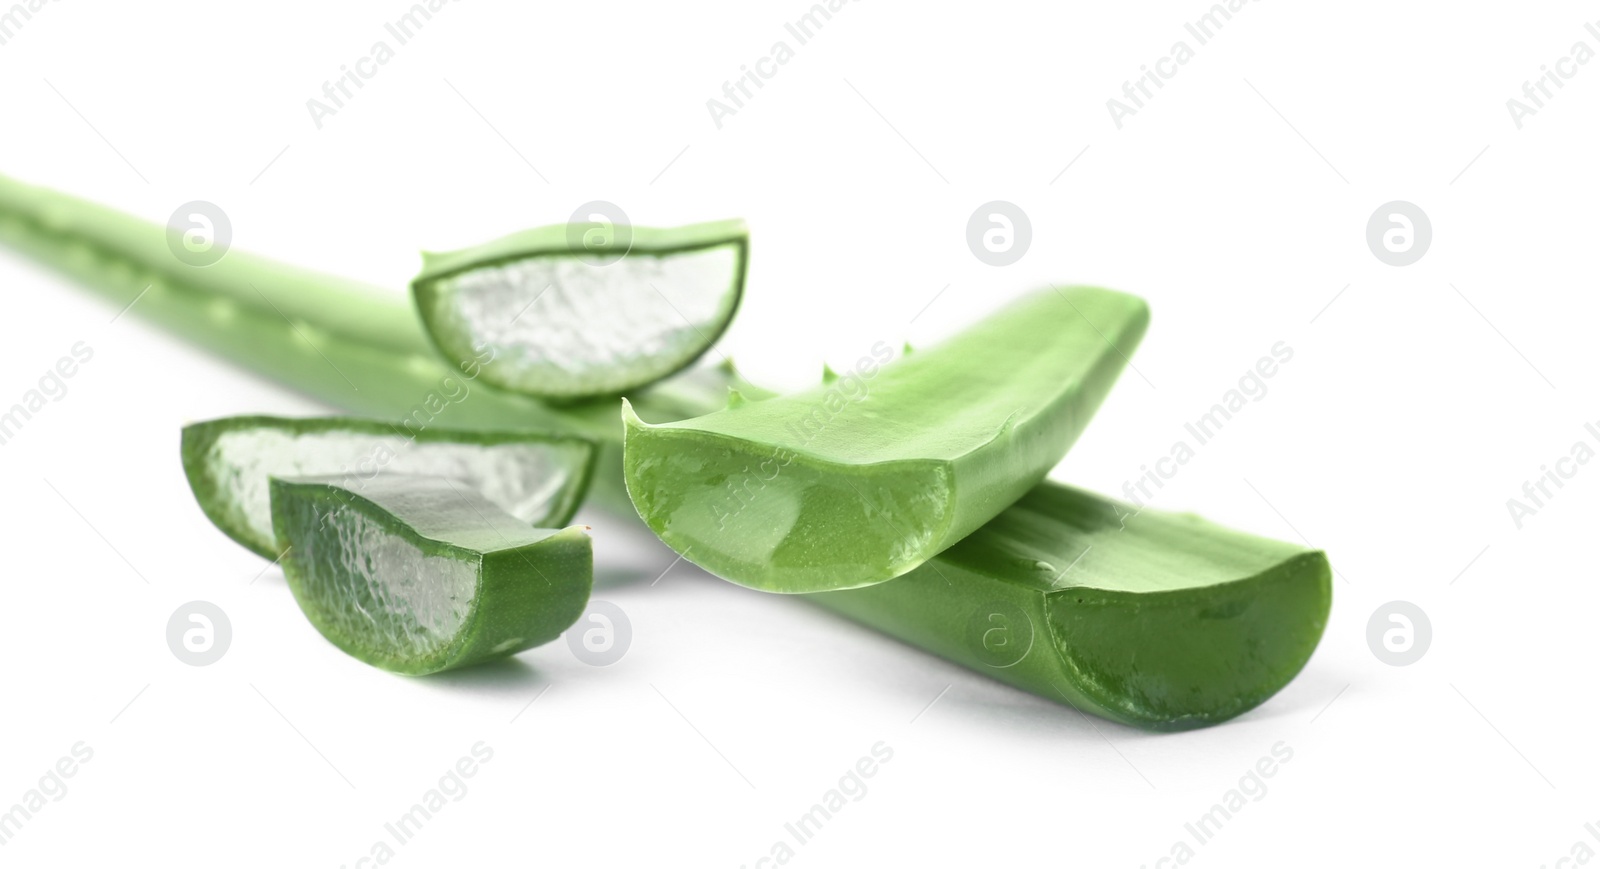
{"type": "Point", "coordinates": [538, 478]}
{"type": "Point", "coordinates": [567, 317]}
{"type": "Point", "coordinates": [422, 574]}
{"type": "Point", "coordinates": [1159, 620]}
{"type": "Point", "coordinates": [859, 481]}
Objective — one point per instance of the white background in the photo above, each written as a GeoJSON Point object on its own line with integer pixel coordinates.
{"type": "Point", "coordinates": [1236, 201]}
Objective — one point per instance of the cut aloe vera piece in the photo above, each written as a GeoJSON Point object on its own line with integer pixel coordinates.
{"type": "Point", "coordinates": [581, 310]}
{"type": "Point", "coordinates": [539, 479]}
{"type": "Point", "coordinates": [422, 574]}
{"type": "Point", "coordinates": [1159, 620]}
{"type": "Point", "coordinates": [864, 477]}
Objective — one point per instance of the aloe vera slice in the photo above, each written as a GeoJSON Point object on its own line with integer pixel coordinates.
{"type": "Point", "coordinates": [1159, 620]}
{"type": "Point", "coordinates": [861, 479]}
{"type": "Point", "coordinates": [538, 479]}
{"type": "Point", "coordinates": [564, 320]}
{"type": "Point", "coordinates": [421, 574]}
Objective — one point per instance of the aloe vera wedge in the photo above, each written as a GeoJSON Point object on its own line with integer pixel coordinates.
{"type": "Point", "coordinates": [564, 317]}
{"type": "Point", "coordinates": [420, 574]}
{"type": "Point", "coordinates": [1159, 620]}
{"type": "Point", "coordinates": [860, 480]}
{"type": "Point", "coordinates": [539, 479]}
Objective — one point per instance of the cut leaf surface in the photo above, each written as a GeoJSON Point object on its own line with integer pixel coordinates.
{"type": "Point", "coordinates": [422, 574]}
{"type": "Point", "coordinates": [561, 317]}
{"type": "Point", "coordinates": [863, 478]}
{"type": "Point", "coordinates": [1159, 620]}
{"type": "Point", "coordinates": [539, 479]}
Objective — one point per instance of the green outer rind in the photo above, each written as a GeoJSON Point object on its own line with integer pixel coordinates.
{"type": "Point", "coordinates": [198, 438]}
{"type": "Point", "coordinates": [1169, 660]}
{"type": "Point", "coordinates": [506, 604]}
{"type": "Point", "coordinates": [554, 240]}
{"type": "Point", "coordinates": [937, 444]}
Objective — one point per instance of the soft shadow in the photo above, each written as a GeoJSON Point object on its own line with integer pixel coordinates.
{"type": "Point", "coordinates": [996, 702]}
{"type": "Point", "coordinates": [979, 697]}
{"type": "Point", "coordinates": [502, 677]}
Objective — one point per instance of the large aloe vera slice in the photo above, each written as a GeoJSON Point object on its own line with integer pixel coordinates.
{"type": "Point", "coordinates": [565, 316]}
{"type": "Point", "coordinates": [1160, 620]}
{"type": "Point", "coordinates": [421, 574]}
{"type": "Point", "coordinates": [539, 479]}
{"type": "Point", "coordinates": [862, 479]}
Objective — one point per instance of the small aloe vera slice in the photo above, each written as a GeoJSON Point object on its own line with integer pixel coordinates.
{"type": "Point", "coordinates": [421, 574]}
{"type": "Point", "coordinates": [1159, 620]}
{"type": "Point", "coordinates": [861, 479]}
{"type": "Point", "coordinates": [539, 479]}
{"type": "Point", "coordinates": [580, 310]}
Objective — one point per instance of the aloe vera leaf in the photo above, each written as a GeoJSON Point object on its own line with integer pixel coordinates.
{"type": "Point", "coordinates": [349, 344]}
{"type": "Point", "coordinates": [858, 481]}
{"type": "Point", "coordinates": [1159, 620]}
{"type": "Point", "coordinates": [538, 478]}
{"type": "Point", "coordinates": [563, 320]}
{"type": "Point", "coordinates": [113, 252]}
{"type": "Point", "coordinates": [421, 574]}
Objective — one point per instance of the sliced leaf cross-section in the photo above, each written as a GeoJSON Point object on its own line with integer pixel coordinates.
{"type": "Point", "coordinates": [549, 313]}
{"type": "Point", "coordinates": [538, 478]}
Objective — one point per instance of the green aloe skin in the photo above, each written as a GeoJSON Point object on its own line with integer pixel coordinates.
{"type": "Point", "coordinates": [650, 301]}
{"type": "Point", "coordinates": [541, 479]}
{"type": "Point", "coordinates": [417, 575]}
{"type": "Point", "coordinates": [389, 357]}
{"type": "Point", "coordinates": [857, 488]}
{"type": "Point", "coordinates": [1159, 620]}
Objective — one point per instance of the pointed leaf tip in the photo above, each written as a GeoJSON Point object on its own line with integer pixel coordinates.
{"type": "Point", "coordinates": [906, 351]}
{"type": "Point", "coordinates": [736, 398]}
{"type": "Point", "coordinates": [828, 374]}
{"type": "Point", "coordinates": [629, 418]}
